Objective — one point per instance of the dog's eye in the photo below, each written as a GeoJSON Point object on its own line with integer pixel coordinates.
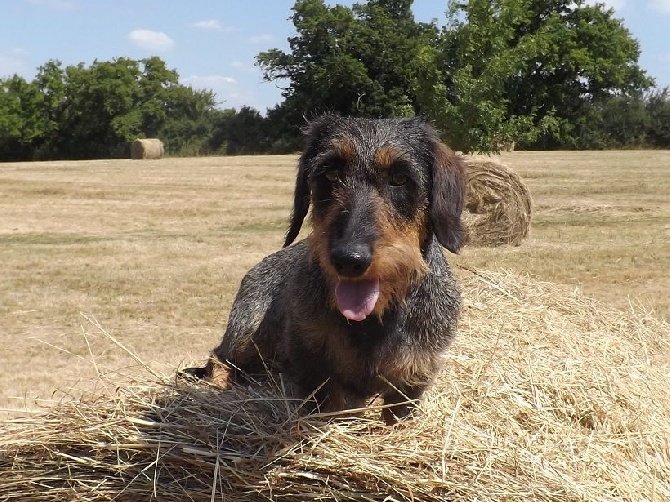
{"type": "Point", "coordinates": [332, 175]}
{"type": "Point", "coordinates": [397, 179]}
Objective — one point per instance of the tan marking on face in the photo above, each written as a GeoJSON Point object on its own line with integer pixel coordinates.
{"type": "Point", "coordinates": [319, 247]}
{"type": "Point", "coordinates": [387, 155]}
{"type": "Point", "coordinates": [345, 148]}
{"type": "Point", "coordinates": [397, 260]}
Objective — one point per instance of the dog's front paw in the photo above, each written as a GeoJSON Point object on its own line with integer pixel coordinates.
{"type": "Point", "coordinates": [214, 372]}
{"type": "Point", "coordinates": [398, 412]}
{"type": "Point", "coordinates": [193, 373]}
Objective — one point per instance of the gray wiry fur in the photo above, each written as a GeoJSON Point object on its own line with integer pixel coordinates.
{"type": "Point", "coordinates": [283, 318]}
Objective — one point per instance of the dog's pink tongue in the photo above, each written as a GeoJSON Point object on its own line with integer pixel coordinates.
{"type": "Point", "coordinates": [356, 299]}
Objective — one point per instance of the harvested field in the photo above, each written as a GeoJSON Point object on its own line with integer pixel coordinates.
{"type": "Point", "coordinates": [156, 253]}
{"type": "Point", "coordinates": [548, 394]}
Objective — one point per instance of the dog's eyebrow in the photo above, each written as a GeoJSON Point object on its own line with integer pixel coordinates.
{"type": "Point", "coordinates": [344, 148]}
{"type": "Point", "coordinates": [328, 159]}
{"type": "Point", "coordinates": [337, 151]}
{"type": "Point", "coordinates": [388, 155]}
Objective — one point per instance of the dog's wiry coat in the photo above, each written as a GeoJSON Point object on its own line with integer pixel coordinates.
{"type": "Point", "coordinates": [367, 303]}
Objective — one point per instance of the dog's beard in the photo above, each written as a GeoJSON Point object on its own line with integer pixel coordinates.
{"type": "Point", "coordinates": [397, 263]}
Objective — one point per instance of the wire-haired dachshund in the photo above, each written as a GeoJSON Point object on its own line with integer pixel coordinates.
{"type": "Point", "coordinates": [366, 304]}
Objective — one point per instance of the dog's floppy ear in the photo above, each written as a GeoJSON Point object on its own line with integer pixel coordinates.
{"type": "Point", "coordinates": [447, 197]}
{"type": "Point", "coordinates": [301, 197]}
{"type": "Point", "coordinates": [314, 133]}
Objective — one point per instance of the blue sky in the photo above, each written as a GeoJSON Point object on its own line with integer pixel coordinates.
{"type": "Point", "coordinates": [212, 43]}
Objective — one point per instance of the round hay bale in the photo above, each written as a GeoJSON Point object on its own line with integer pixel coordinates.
{"type": "Point", "coordinates": [497, 205]}
{"type": "Point", "coordinates": [547, 395]}
{"type": "Point", "coordinates": [149, 148]}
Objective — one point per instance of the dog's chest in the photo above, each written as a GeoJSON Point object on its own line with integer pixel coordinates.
{"type": "Point", "coordinates": [362, 350]}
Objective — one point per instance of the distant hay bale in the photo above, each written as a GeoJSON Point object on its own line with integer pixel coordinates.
{"type": "Point", "coordinates": [502, 143]}
{"type": "Point", "coordinates": [547, 396]}
{"type": "Point", "coordinates": [150, 148]}
{"type": "Point", "coordinates": [497, 203]}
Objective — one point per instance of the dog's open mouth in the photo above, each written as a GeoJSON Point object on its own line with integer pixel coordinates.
{"type": "Point", "coordinates": [356, 299]}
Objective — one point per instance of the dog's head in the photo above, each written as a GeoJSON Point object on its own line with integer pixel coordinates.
{"type": "Point", "coordinates": [379, 190]}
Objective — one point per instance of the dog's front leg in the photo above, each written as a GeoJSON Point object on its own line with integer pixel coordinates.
{"type": "Point", "coordinates": [403, 400]}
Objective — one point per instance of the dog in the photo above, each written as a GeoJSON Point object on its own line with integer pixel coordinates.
{"type": "Point", "coordinates": [366, 305]}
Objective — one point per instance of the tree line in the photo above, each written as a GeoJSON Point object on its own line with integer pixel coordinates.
{"type": "Point", "coordinates": [549, 74]}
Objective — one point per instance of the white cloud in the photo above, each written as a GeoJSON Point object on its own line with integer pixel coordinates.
{"type": "Point", "coordinates": [213, 25]}
{"type": "Point", "coordinates": [11, 62]}
{"type": "Point", "coordinates": [661, 6]}
{"type": "Point", "coordinates": [208, 81]}
{"type": "Point", "coordinates": [229, 92]}
{"type": "Point", "coordinates": [210, 24]}
{"type": "Point", "coordinates": [151, 40]}
{"type": "Point", "coordinates": [259, 39]}
{"type": "Point", "coordinates": [617, 5]}
{"type": "Point", "coordinates": [239, 65]}
{"type": "Point", "coordinates": [55, 4]}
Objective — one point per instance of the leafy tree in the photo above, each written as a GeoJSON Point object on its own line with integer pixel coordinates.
{"type": "Point", "coordinates": [99, 116]}
{"type": "Point", "coordinates": [96, 111]}
{"type": "Point", "coordinates": [111, 103]}
{"type": "Point", "coordinates": [240, 133]}
{"type": "Point", "coordinates": [283, 130]}
{"type": "Point", "coordinates": [357, 61]}
{"type": "Point", "coordinates": [19, 101]}
{"type": "Point", "coordinates": [189, 115]}
{"type": "Point", "coordinates": [501, 70]}
{"type": "Point", "coordinates": [626, 122]}
{"type": "Point", "coordinates": [658, 109]}
{"type": "Point", "coordinates": [528, 70]}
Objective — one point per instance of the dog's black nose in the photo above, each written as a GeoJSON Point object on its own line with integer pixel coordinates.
{"type": "Point", "coordinates": [351, 261]}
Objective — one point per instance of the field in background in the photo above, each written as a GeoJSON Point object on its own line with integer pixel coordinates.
{"type": "Point", "coordinates": [601, 221]}
{"type": "Point", "coordinates": [153, 251]}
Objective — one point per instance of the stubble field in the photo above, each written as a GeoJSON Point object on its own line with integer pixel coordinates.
{"type": "Point", "coordinates": [152, 253]}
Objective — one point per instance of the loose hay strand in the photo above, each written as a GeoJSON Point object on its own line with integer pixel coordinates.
{"type": "Point", "coordinates": [547, 395]}
{"type": "Point", "coordinates": [119, 344]}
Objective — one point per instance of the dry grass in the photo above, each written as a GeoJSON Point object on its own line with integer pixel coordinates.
{"type": "Point", "coordinates": [601, 221]}
{"type": "Point", "coordinates": [497, 204]}
{"type": "Point", "coordinates": [155, 250]}
{"type": "Point", "coordinates": [548, 395]}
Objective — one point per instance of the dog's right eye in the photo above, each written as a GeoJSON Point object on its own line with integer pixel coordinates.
{"type": "Point", "coordinates": [397, 179]}
{"type": "Point", "coordinates": [332, 175]}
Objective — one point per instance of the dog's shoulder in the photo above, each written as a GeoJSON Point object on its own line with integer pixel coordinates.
{"type": "Point", "coordinates": [433, 305]}
{"type": "Point", "coordinates": [257, 316]}
{"type": "Point", "coordinates": [262, 288]}
{"type": "Point", "coordinates": [273, 270]}
{"type": "Point", "coordinates": [439, 281]}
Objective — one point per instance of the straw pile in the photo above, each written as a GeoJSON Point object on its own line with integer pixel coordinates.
{"type": "Point", "coordinates": [150, 148]}
{"type": "Point", "coordinates": [498, 205]}
{"type": "Point", "coordinates": [547, 395]}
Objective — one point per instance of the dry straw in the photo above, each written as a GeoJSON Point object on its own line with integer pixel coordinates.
{"type": "Point", "coordinates": [547, 395]}
{"type": "Point", "coordinates": [498, 204]}
{"type": "Point", "coordinates": [147, 149]}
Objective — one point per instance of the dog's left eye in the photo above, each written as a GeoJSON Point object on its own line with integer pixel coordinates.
{"type": "Point", "coordinates": [397, 179]}
{"type": "Point", "coordinates": [332, 175]}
